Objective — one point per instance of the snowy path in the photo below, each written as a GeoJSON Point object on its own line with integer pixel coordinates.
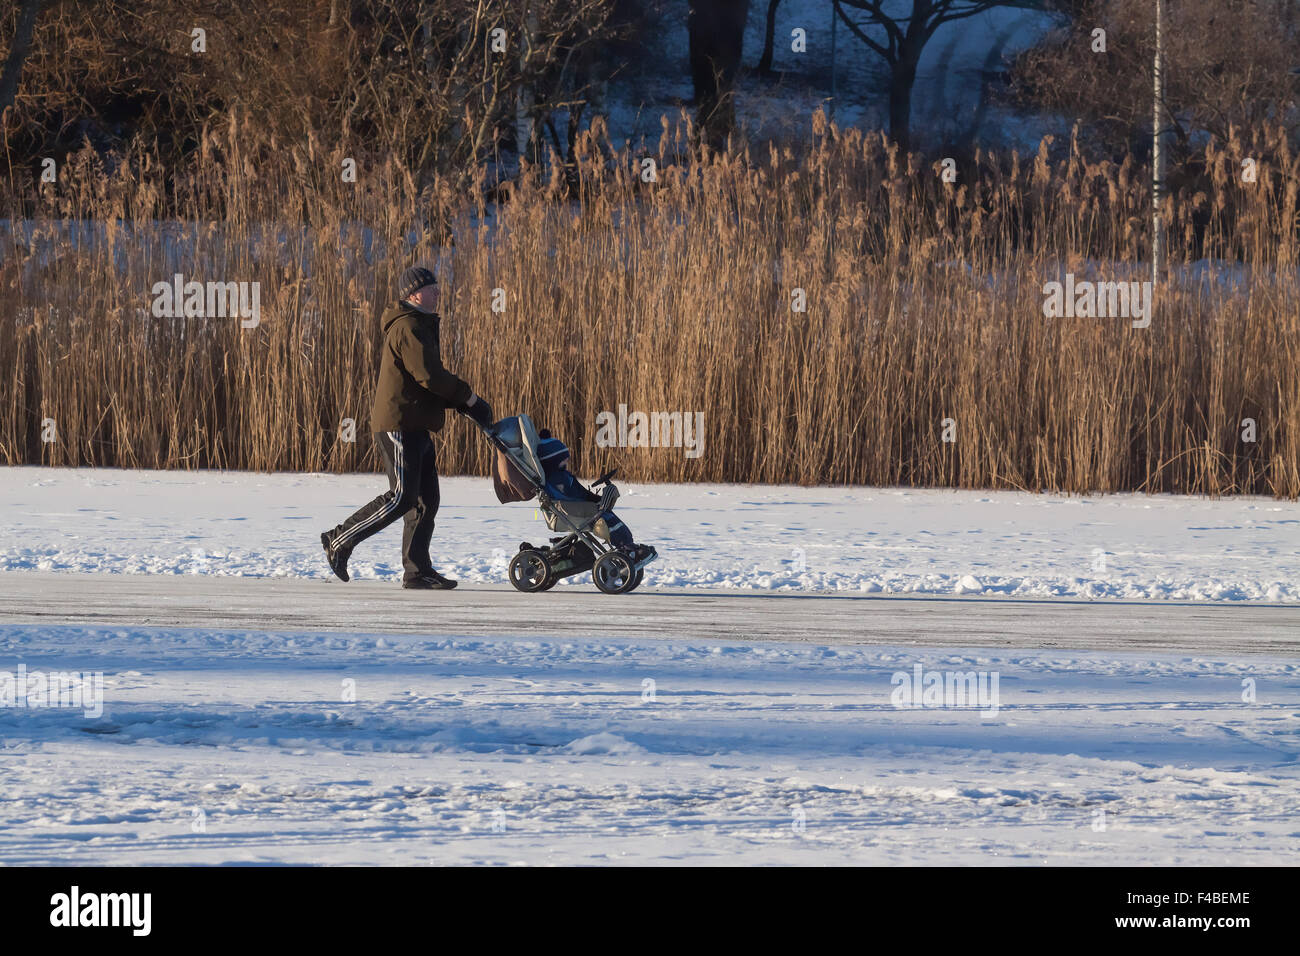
{"type": "Point", "coordinates": [269, 721]}
{"type": "Point", "coordinates": [239, 746]}
{"type": "Point", "coordinates": [479, 610]}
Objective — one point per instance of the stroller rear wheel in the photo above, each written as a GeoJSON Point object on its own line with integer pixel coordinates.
{"type": "Point", "coordinates": [530, 572]}
{"type": "Point", "coordinates": [613, 573]}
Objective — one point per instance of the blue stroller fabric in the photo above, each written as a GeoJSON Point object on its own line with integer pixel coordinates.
{"type": "Point", "coordinates": [563, 486]}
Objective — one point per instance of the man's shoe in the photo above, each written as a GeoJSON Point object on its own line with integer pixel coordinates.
{"type": "Point", "coordinates": [338, 558]}
{"type": "Point", "coordinates": [433, 581]}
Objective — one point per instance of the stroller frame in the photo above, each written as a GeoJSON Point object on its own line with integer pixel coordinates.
{"type": "Point", "coordinates": [524, 458]}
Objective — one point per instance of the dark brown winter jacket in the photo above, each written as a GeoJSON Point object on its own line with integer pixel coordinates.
{"type": "Point", "coordinates": [414, 389]}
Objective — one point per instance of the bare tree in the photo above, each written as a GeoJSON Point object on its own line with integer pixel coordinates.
{"type": "Point", "coordinates": [1227, 65]}
{"type": "Point", "coordinates": [435, 84]}
{"type": "Point", "coordinates": [18, 53]}
{"type": "Point", "coordinates": [905, 37]}
{"type": "Point", "coordinates": [769, 38]}
{"type": "Point", "coordinates": [717, 34]}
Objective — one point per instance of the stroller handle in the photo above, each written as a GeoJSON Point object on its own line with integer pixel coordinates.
{"type": "Point", "coordinates": [489, 431]}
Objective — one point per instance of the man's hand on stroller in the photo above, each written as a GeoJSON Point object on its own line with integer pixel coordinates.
{"type": "Point", "coordinates": [478, 409]}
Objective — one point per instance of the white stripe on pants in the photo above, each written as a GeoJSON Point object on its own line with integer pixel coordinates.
{"type": "Point", "coordinates": [399, 468]}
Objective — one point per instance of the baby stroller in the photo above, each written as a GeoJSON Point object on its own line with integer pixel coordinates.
{"type": "Point", "coordinates": [592, 538]}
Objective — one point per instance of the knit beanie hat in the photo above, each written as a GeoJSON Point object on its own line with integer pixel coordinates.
{"type": "Point", "coordinates": [551, 450]}
{"type": "Point", "coordinates": [413, 280]}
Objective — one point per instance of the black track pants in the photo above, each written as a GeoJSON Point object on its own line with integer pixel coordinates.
{"type": "Point", "coordinates": [412, 494]}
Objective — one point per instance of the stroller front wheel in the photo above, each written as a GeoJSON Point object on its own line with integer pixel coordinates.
{"type": "Point", "coordinates": [530, 572]}
{"type": "Point", "coordinates": [613, 573]}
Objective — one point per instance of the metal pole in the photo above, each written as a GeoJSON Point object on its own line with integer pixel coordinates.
{"type": "Point", "coordinates": [1158, 157]}
{"type": "Point", "coordinates": [524, 98]}
{"type": "Point", "coordinates": [835, 21]}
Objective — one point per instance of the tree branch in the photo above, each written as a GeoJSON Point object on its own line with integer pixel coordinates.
{"type": "Point", "coordinates": [18, 53]}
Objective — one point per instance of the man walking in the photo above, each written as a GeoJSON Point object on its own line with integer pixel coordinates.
{"type": "Point", "coordinates": [411, 399]}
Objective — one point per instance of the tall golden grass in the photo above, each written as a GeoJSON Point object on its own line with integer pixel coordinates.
{"type": "Point", "coordinates": [924, 303]}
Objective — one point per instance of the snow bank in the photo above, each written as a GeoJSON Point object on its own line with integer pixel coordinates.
{"type": "Point", "coordinates": [709, 536]}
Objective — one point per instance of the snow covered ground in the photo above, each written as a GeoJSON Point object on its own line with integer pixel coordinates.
{"type": "Point", "coordinates": [251, 747]}
{"type": "Point", "coordinates": [270, 718]}
{"type": "Point", "coordinates": [889, 541]}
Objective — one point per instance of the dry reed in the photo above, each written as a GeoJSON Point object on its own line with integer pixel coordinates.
{"type": "Point", "coordinates": [924, 302]}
